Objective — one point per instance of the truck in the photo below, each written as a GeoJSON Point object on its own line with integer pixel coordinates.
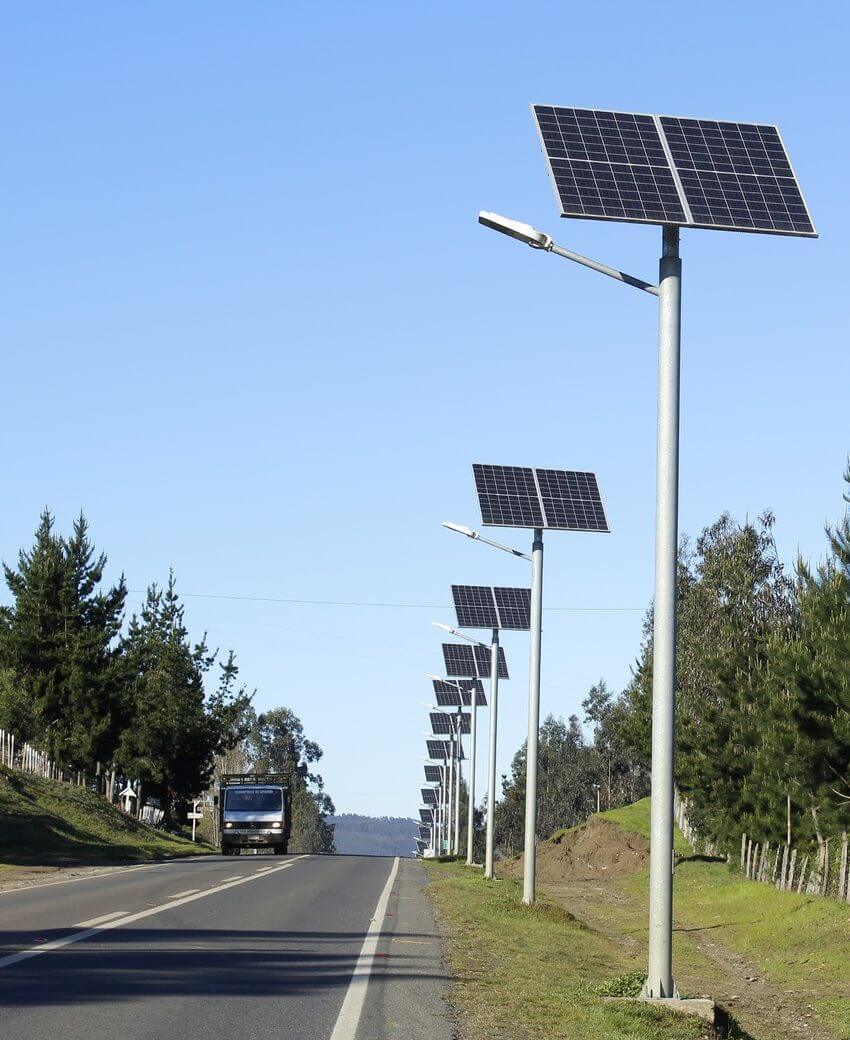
{"type": "Point", "coordinates": [255, 812]}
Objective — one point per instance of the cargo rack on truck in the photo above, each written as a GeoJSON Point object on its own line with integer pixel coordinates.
{"type": "Point", "coordinates": [255, 779]}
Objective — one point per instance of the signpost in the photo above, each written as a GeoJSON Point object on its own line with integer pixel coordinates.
{"type": "Point", "coordinates": [195, 815]}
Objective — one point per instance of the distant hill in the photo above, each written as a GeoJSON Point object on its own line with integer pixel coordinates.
{"type": "Point", "coordinates": [373, 835]}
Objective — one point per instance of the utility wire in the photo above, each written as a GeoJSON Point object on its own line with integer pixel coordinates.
{"type": "Point", "coordinates": [362, 603]}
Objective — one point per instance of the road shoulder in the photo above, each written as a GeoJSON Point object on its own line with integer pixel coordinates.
{"type": "Point", "coordinates": [406, 999]}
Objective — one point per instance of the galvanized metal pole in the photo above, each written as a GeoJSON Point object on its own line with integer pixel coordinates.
{"type": "Point", "coordinates": [450, 793]}
{"type": "Point", "coordinates": [530, 853]}
{"type": "Point", "coordinates": [470, 823]}
{"type": "Point", "coordinates": [458, 752]}
{"type": "Point", "coordinates": [659, 982]}
{"type": "Point", "coordinates": [491, 764]}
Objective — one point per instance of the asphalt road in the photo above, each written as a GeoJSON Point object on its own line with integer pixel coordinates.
{"type": "Point", "coordinates": [313, 947]}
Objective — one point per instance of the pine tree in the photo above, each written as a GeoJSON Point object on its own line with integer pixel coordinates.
{"type": "Point", "coordinates": [176, 732]}
{"type": "Point", "coordinates": [59, 641]}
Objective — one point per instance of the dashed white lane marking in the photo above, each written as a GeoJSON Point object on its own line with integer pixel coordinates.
{"type": "Point", "coordinates": [234, 878]}
{"type": "Point", "coordinates": [188, 892]}
{"type": "Point", "coordinates": [352, 1005]}
{"type": "Point", "coordinates": [68, 940]}
{"type": "Point", "coordinates": [101, 920]}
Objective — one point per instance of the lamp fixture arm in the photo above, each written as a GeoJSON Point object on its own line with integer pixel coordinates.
{"type": "Point", "coordinates": [594, 265]}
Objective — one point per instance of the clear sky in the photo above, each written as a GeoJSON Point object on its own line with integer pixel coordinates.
{"type": "Point", "coordinates": [251, 325]}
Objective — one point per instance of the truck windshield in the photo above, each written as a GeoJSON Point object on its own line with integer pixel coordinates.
{"type": "Point", "coordinates": [253, 799]}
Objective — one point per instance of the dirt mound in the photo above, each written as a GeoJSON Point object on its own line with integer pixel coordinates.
{"type": "Point", "coordinates": [596, 849]}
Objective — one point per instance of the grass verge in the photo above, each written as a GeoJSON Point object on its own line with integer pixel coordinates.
{"type": "Point", "coordinates": [49, 823]}
{"type": "Point", "coordinates": [523, 972]}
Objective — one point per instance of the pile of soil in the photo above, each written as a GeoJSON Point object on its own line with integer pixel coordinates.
{"type": "Point", "coordinates": [597, 849]}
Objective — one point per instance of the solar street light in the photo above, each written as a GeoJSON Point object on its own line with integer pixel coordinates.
{"type": "Point", "coordinates": [485, 606]}
{"type": "Point", "coordinates": [521, 496]}
{"type": "Point", "coordinates": [699, 173]}
{"type": "Point", "coordinates": [479, 660]}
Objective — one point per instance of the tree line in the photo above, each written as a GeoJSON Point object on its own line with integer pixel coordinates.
{"type": "Point", "coordinates": [763, 701]}
{"type": "Point", "coordinates": [97, 692]}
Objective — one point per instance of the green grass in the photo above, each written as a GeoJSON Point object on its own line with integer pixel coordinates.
{"type": "Point", "coordinates": [797, 941]}
{"type": "Point", "coordinates": [51, 823]}
{"type": "Point", "coordinates": [635, 818]}
{"type": "Point", "coordinates": [536, 972]}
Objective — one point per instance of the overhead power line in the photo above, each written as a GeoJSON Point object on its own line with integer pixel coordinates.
{"type": "Point", "coordinates": [364, 603]}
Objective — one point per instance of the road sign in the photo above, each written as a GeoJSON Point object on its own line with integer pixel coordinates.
{"type": "Point", "coordinates": [194, 816]}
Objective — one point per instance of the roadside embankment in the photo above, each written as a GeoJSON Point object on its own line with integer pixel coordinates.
{"type": "Point", "coordinates": [46, 826]}
{"type": "Point", "coordinates": [775, 962]}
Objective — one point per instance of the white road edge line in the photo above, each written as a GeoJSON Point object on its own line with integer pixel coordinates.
{"type": "Point", "coordinates": [100, 920]}
{"type": "Point", "coordinates": [355, 996]}
{"type": "Point", "coordinates": [68, 940]}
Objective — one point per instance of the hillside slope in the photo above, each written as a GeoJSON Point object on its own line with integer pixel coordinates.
{"type": "Point", "coordinates": [46, 822]}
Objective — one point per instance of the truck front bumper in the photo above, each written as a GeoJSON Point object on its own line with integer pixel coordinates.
{"type": "Point", "coordinates": [236, 836]}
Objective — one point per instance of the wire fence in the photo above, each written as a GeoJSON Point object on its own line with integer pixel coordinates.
{"type": "Point", "coordinates": [24, 758]}
{"type": "Point", "coordinates": [820, 869]}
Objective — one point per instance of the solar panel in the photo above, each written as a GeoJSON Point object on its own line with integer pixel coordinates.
{"type": "Point", "coordinates": [426, 815]}
{"type": "Point", "coordinates": [667, 170]}
{"type": "Point", "coordinates": [557, 499]}
{"type": "Point", "coordinates": [451, 694]}
{"type": "Point", "coordinates": [481, 606]}
{"type": "Point", "coordinates": [429, 796]}
{"type": "Point", "coordinates": [425, 833]}
{"type": "Point", "coordinates": [433, 774]}
{"type": "Point", "coordinates": [737, 176]}
{"type": "Point", "coordinates": [447, 724]}
{"type": "Point", "coordinates": [475, 606]}
{"type": "Point", "coordinates": [441, 724]}
{"type": "Point", "coordinates": [514, 606]}
{"type": "Point", "coordinates": [438, 749]}
{"type": "Point", "coordinates": [465, 660]}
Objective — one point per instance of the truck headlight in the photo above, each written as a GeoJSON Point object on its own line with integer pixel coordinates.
{"type": "Point", "coordinates": [276, 825]}
{"type": "Point", "coordinates": [228, 825]}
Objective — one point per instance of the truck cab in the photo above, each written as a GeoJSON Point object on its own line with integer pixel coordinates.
{"type": "Point", "coordinates": [254, 812]}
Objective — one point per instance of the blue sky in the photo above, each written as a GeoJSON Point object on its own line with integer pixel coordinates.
{"type": "Point", "coordinates": [252, 327]}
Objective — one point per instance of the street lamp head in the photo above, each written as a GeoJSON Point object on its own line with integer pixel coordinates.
{"type": "Point", "coordinates": [445, 628]}
{"type": "Point", "coordinates": [460, 529]}
{"type": "Point", "coordinates": [515, 229]}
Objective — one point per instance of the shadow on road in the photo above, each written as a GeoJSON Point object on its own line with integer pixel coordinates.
{"type": "Point", "coordinates": [133, 963]}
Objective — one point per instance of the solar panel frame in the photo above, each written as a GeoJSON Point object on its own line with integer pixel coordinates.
{"type": "Point", "coordinates": [426, 816]}
{"type": "Point", "coordinates": [463, 660]}
{"type": "Point", "coordinates": [433, 774]}
{"type": "Point", "coordinates": [745, 183]}
{"type": "Point", "coordinates": [429, 795]}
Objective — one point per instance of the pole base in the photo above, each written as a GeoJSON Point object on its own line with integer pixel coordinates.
{"type": "Point", "coordinates": [703, 1007]}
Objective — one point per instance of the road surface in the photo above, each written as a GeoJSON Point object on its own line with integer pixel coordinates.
{"type": "Point", "coordinates": [306, 947]}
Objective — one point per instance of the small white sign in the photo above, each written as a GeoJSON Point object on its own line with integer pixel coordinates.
{"type": "Point", "coordinates": [194, 816]}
